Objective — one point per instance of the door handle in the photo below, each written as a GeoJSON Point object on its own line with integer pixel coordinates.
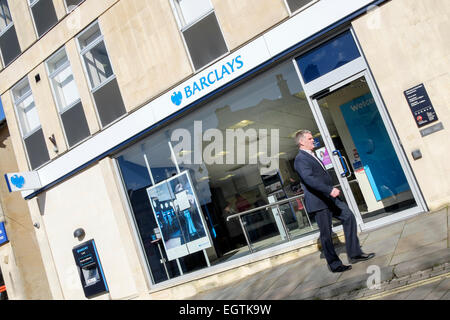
{"type": "Point", "coordinates": [344, 164]}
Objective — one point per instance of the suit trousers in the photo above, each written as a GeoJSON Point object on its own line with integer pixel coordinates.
{"type": "Point", "coordinates": [343, 213]}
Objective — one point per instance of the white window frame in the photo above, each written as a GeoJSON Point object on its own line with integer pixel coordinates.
{"type": "Point", "coordinates": [86, 73]}
{"type": "Point", "coordinates": [86, 49]}
{"type": "Point", "coordinates": [59, 110]}
{"type": "Point", "coordinates": [9, 24]}
{"type": "Point", "coordinates": [5, 29]}
{"type": "Point", "coordinates": [183, 27]}
{"type": "Point", "coordinates": [31, 4]}
{"type": "Point", "coordinates": [18, 101]}
{"type": "Point", "coordinates": [291, 13]}
{"type": "Point", "coordinates": [67, 8]}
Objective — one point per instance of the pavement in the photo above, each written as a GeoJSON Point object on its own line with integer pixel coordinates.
{"type": "Point", "coordinates": [412, 262]}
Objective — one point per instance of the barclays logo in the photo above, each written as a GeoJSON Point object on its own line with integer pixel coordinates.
{"type": "Point", "coordinates": [227, 69]}
{"type": "Point", "coordinates": [18, 181]}
{"type": "Point", "coordinates": [176, 98]}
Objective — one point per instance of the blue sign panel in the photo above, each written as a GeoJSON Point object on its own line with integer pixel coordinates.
{"type": "Point", "coordinates": [90, 269]}
{"type": "Point", "coordinates": [2, 113]}
{"type": "Point", "coordinates": [3, 236]}
{"type": "Point", "coordinates": [374, 147]}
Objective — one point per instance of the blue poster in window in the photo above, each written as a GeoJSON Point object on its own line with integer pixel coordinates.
{"type": "Point", "coordinates": [3, 236]}
{"type": "Point", "coordinates": [374, 146]}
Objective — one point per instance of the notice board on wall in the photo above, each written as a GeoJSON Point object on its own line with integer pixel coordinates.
{"type": "Point", "coordinates": [420, 105]}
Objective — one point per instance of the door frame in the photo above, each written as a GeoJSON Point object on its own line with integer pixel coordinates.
{"type": "Point", "coordinates": [335, 80]}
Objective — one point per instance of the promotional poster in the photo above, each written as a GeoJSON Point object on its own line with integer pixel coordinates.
{"type": "Point", "coordinates": [179, 216]}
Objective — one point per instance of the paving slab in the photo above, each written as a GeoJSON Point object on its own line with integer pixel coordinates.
{"type": "Point", "coordinates": [279, 292]}
{"type": "Point", "coordinates": [439, 291]}
{"type": "Point", "coordinates": [422, 262]}
{"type": "Point", "coordinates": [436, 222]}
{"type": "Point", "coordinates": [446, 296]}
{"type": "Point", "coordinates": [382, 233]}
{"type": "Point", "coordinates": [402, 249]}
{"type": "Point", "coordinates": [421, 292]}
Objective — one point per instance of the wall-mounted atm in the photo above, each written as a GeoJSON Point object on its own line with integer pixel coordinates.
{"type": "Point", "coordinates": [90, 269]}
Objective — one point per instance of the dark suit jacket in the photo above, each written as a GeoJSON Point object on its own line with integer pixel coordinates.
{"type": "Point", "coordinates": [316, 182]}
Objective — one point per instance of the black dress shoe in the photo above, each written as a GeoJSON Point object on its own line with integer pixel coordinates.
{"type": "Point", "coordinates": [362, 257]}
{"type": "Point", "coordinates": [341, 268]}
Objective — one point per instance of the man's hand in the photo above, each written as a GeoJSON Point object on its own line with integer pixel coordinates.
{"type": "Point", "coordinates": [335, 192]}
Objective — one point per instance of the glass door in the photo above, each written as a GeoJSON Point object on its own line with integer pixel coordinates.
{"type": "Point", "coordinates": [354, 130]}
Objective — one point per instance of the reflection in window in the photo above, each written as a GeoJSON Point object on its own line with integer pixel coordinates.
{"type": "Point", "coordinates": [29, 124]}
{"type": "Point", "coordinates": [271, 101]}
{"type": "Point", "coordinates": [44, 15]}
{"type": "Point", "coordinates": [5, 15]}
{"type": "Point", "coordinates": [328, 57]}
{"type": "Point", "coordinates": [201, 31]}
{"type": "Point", "coordinates": [102, 81]}
{"type": "Point", "coordinates": [294, 5]}
{"type": "Point", "coordinates": [67, 98]}
{"type": "Point", "coordinates": [9, 44]}
{"type": "Point", "coordinates": [97, 65]}
{"type": "Point", "coordinates": [72, 4]}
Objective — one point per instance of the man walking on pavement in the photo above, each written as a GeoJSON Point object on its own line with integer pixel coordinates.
{"type": "Point", "coordinates": [321, 199]}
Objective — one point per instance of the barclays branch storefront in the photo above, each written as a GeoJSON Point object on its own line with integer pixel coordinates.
{"type": "Point", "coordinates": [216, 182]}
{"type": "Point", "coordinates": [199, 182]}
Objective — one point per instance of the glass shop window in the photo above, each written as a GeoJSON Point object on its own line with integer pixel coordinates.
{"type": "Point", "coordinates": [67, 98]}
{"type": "Point", "coordinates": [269, 109]}
{"type": "Point", "coordinates": [102, 81]}
{"type": "Point", "coordinates": [201, 31]}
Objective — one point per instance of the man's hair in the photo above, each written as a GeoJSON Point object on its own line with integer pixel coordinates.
{"type": "Point", "coordinates": [300, 135]}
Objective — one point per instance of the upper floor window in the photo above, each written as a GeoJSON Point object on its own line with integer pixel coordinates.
{"type": "Point", "coordinates": [201, 31]}
{"type": "Point", "coordinates": [44, 15]}
{"type": "Point", "coordinates": [29, 124]}
{"type": "Point", "coordinates": [102, 81]}
{"type": "Point", "coordinates": [67, 98]}
{"type": "Point", "coordinates": [9, 44]}
{"type": "Point", "coordinates": [295, 5]}
{"type": "Point", "coordinates": [72, 4]}
{"type": "Point", "coordinates": [5, 15]}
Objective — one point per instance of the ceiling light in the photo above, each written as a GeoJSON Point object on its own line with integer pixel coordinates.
{"type": "Point", "coordinates": [241, 124]}
{"type": "Point", "coordinates": [226, 177]}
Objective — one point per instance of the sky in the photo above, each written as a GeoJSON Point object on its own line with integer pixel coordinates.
{"type": "Point", "coordinates": [2, 114]}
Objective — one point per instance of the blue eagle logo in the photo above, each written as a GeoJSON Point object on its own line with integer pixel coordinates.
{"type": "Point", "coordinates": [176, 98]}
{"type": "Point", "coordinates": [18, 181]}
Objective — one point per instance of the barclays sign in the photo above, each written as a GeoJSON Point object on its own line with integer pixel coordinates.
{"type": "Point", "coordinates": [219, 74]}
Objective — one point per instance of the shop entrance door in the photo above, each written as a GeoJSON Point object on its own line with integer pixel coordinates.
{"type": "Point", "coordinates": [373, 178]}
{"type": "Point", "coordinates": [355, 127]}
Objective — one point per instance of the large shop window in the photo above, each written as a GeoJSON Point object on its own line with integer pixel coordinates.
{"type": "Point", "coordinates": [9, 44]}
{"type": "Point", "coordinates": [295, 5]}
{"type": "Point", "coordinates": [265, 113]}
{"type": "Point", "coordinates": [102, 81]}
{"type": "Point", "coordinates": [44, 15]}
{"type": "Point", "coordinates": [201, 31]}
{"type": "Point", "coordinates": [67, 98]}
{"type": "Point", "coordinates": [29, 124]}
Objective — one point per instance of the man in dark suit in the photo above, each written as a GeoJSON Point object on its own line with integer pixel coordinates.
{"type": "Point", "coordinates": [321, 199]}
